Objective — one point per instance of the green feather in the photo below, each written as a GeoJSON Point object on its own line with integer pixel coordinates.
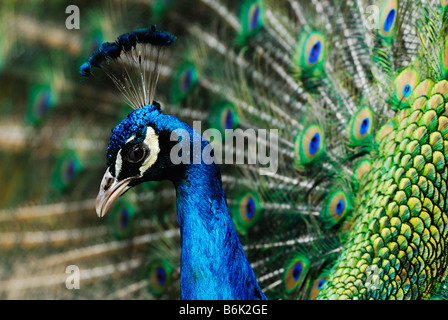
{"type": "Point", "coordinates": [251, 17]}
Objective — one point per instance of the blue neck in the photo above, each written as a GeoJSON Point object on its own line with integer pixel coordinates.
{"type": "Point", "coordinates": [213, 262]}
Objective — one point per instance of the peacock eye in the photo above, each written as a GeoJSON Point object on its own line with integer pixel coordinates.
{"type": "Point", "coordinates": [137, 153]}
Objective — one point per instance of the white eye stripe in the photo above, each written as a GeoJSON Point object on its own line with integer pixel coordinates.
{"type": "Point", "coordinates": [152, 141]}
{"type": "Point", "coordinates": [118, 164]}
{"type": "Point", "coordinates": [131, 138]}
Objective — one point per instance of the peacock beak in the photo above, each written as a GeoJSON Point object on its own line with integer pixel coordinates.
{"type": "Point", "coordinates": [110, 190]}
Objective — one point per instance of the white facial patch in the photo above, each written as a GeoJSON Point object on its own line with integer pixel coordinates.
{"type": "Point", "coordinates": [152, 140]}
{"type": "Point", "coordinates": [118, 163]}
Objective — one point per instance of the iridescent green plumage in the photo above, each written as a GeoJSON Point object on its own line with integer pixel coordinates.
{"type": "Point", "coordinates": [401, 227]}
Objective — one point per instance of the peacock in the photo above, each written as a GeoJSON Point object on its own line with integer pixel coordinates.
{"type": "Point", "coordinates": [252, 149]}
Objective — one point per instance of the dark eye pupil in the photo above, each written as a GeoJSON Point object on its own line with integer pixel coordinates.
{"type": "Point", "coordinates": [136, 154]}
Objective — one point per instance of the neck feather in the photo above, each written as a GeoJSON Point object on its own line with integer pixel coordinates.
{"type": "Point", "coordinates": [213, 262]}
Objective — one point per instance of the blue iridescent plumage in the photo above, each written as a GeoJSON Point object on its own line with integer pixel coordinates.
{"type": "Point", "coordinates": [365, 125]}
{"type": "Point", "coordinates": [314, 144]}
{"type": "Point", "coordinates": [125, 43]}
{"type": "Point", "coordinates": [315, 52]}
{"type": "Point", "coordinates": [390, 19]}
{"type": "Point", "coordinates": [213, 262]}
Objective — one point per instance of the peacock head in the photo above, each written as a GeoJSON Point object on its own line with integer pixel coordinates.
{"type": "Point", "coordinates": [139, 147]}
{"type": "Point", "coordinates": [138, 151]}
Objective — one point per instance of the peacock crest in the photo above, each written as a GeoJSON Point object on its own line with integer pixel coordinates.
{"type": "Point", "coordinates": [137, 55]}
